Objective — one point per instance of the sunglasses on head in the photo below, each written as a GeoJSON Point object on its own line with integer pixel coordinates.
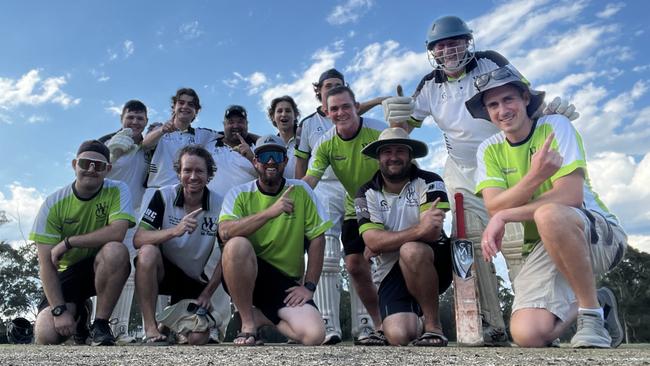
{"type": "Point", "coordinates": [498, 74]}
{"type": "Point", "coordinates": [265, 157]}
{"type": "Point", "coordinates": [85, 164]}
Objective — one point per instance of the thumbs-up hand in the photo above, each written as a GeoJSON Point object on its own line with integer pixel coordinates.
{"type": "Point", "coordinates": [398, 110]}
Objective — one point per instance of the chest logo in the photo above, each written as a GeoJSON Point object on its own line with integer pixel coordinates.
{"type": "Point", "coordinates": [411, 198]}
{"type": "Point", "coordinates": [209, 226]}
{"type": "Point", "coordinates": [101, 210]}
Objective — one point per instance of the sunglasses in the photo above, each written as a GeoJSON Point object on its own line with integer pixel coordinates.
{"type": "Point", "coordinates": [85, 164]}
{"type": "Point", "coordinates": [498, 74]}
{"type": "Point", "coordinates": [265, 157]}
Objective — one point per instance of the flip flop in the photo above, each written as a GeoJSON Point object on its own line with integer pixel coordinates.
{"type": "Point", "coordinates": [158, 340]}
{"type": "Point", "coordinates": [246, 336]}
{"type": "Point", "coordinates": [430, 339]}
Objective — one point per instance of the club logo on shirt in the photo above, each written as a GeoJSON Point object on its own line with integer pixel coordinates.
{"type": "Point", "coordinates": [209, 226]}
{"type": "Point", "coordinates": [411, 198]}
{"type": "Point", "coordinates": [436, 186]}
{"type": "Point", "coordinates": [101, 210]}
{"type": "Point", "coordinates": [383, 205]}
{"type": "Point", "coordinates": [150, 215]}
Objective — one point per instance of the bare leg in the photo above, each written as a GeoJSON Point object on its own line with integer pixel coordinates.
{"type": "Point", "coordinates": [536, 327]}
{"type": "Point", "coordinates": [111, 271]}
{"type": "Point", "coordinates": [240, 271]}
{"type": "Point", "coordinates": [562, 232]}
{"type": "Point", "coordinates": [359, 270]}
{"type": "Point", "coordinates": [303, 324]}
{"type": "Point", "coordinates": [44, 332]}
{"type": "Point", "coordinates": [401, 328]}
{"type": "Point", "coordinates": [149, 272]}
{"type": "Point", "coordinates": [416, 263]}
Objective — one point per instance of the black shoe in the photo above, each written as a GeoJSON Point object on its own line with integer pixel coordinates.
{"type": "Point", "coordinates": [83, 321]}
{"type": "Point", "coordinates": [101, 335]}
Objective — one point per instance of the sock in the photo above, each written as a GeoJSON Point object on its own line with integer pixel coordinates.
{"type": "Point", "coordinates": [599, 311]}
{"type": "Point", "coordinates": [105, 322]}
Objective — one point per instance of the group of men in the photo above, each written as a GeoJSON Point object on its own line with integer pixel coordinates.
{"type": "Point", "coordinates": [218, 211]}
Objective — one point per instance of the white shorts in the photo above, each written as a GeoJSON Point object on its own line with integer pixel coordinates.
{"type": "Point", "coordinates": [541, 285]}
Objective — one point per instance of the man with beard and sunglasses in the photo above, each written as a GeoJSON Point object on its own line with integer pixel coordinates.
{"type": "Point", "coordinates": [264, 224]}
{"type": "Point", "coordinates": [401, 211]}
{"type": "Point", "coordinates": [79, 232]}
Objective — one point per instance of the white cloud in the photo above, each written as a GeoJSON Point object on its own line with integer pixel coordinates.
{"type": "Point", "coordinates": [639, 242]}
{"type": "Point", "coordinates": [128, 48]}
{"type": "Point", "coordinates": [622, 184]}
{"type": "Point", "coordinates": [641, 68]}
{"type": "Point", "coordinates": [21, 207]}
{"type": "Point", "coordinates": [380, 67]}
{"type": "Point", "coordinates": [112, 108]}
{"type": "Point", "coordinates": [349, 12]}
{"type": "Point", "coordinates": [253, 82]}
{"type": "Point", "coordinates": [32, 90]}
{"type": "Point", "coordinates": [301, 87]}
{"type": "Point", "coordinates": [610, 10]}
{"type": "Point", "coordinates": [36, 119]}
{"type": "Point", "coordinates": [190, 30]}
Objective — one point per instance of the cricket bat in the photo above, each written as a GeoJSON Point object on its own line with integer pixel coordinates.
{"type": "Point", "coordinates": [469, 331]}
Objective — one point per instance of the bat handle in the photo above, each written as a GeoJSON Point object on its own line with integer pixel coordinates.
{"type": "Point", "coordinates": [460, 216]}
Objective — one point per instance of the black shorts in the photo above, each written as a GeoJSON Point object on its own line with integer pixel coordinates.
{"type": "Point", "coordinates": [352, 241]}
{"type": "Point", "coordinates": [77, 283]}
{"type": "Point", "coordinates": [394, 296]}
{"type": "Point", "coordinates": [176, 283]}
{"type": "Point", "coordinates": [270, 290]}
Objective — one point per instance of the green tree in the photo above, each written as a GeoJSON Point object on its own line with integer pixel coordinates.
{"type": "Point", "coordinates": [630, 281]}
{"type": "Point", "coordinates": [19, 281]}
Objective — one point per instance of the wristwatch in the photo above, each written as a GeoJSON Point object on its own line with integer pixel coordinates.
{"type": "Point", "coordinates": [310, 286]}
{"type": "Point", "coordinates": [58, 310]}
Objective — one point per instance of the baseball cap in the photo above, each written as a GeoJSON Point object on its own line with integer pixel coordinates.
{"type": "Point", "coordinates": [236, 110]}
{"type": "Point", "coordinates": [269, 142]}
{"type": "Point", "coordinates": [330, 74]}
{"type": "Point", "coordinates": [96, 146]}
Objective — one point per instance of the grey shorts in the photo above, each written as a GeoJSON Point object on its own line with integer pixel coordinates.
{"type": "Point", "coordinates": [541, 285]}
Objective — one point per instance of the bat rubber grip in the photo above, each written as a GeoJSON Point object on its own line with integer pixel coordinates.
{"type": "Point", "coordinates": [460, 216]}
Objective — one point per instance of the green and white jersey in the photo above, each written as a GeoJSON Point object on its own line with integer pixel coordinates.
{"type": "Point", "coordinates": [351, 167]}
{"type": "Point", "coordinates": [64, 214]}
{"type": "Point", "coordinates": [381, 210]}
{"type": "Point", "coordinates": [502, 164]}
{"type": "Point", "coordinates": [280, 241]}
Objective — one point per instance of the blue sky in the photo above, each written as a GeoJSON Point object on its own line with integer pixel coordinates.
{"type": "Point", "coordinates": [67, 68]}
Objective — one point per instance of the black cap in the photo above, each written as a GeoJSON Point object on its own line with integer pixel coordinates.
{"type": "Point", "coordinates": [330, 74]}
{"type": "Point", "coordinates": [236, 110]}
{"type": "Point", "coordinates": [96, 146]}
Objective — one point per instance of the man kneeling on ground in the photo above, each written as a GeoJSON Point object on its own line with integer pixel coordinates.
{"type": "Point", "coordinates": [264, 224]}
{"type": "Point", "coordinates": [401, 213]}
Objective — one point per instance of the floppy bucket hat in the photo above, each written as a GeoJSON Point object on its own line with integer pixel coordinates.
{"type": "Point", "coordinates": [396, 136]}
{"type": "Point", "coordinates": [504, 75]}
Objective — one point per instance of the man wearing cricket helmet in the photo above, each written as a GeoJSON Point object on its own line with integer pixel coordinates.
{"type": "Point", "coordinates": [441, 94]}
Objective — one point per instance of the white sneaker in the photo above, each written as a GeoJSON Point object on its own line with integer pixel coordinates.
{"type": "Point", "coordinates": [591, 332]}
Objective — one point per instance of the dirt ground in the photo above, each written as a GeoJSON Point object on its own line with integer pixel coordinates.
{"type": "Point", "coordinates": [227, 354]}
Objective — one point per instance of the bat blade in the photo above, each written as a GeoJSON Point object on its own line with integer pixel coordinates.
{"type": "Point", "coordinates": [469, 331]}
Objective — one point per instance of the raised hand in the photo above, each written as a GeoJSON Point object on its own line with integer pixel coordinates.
{"type": "Point", "coordinates": [244, 148]}
{"type": "Point", "coordinates": [398, 110]}
{"type": "Point", "coordinates": [283, 205]}
{"type": "Point", "coordinates": [188, 224]}
{"type": "Point", "coordinates": [546, 161]}
{"type": "Point", "coordinates": [431, 220]}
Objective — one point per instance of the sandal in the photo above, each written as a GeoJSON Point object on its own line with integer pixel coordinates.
{"type": "Point", "coordinates": [246, 336]}
{"type": "Point", "coordinates": [430, 339]}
